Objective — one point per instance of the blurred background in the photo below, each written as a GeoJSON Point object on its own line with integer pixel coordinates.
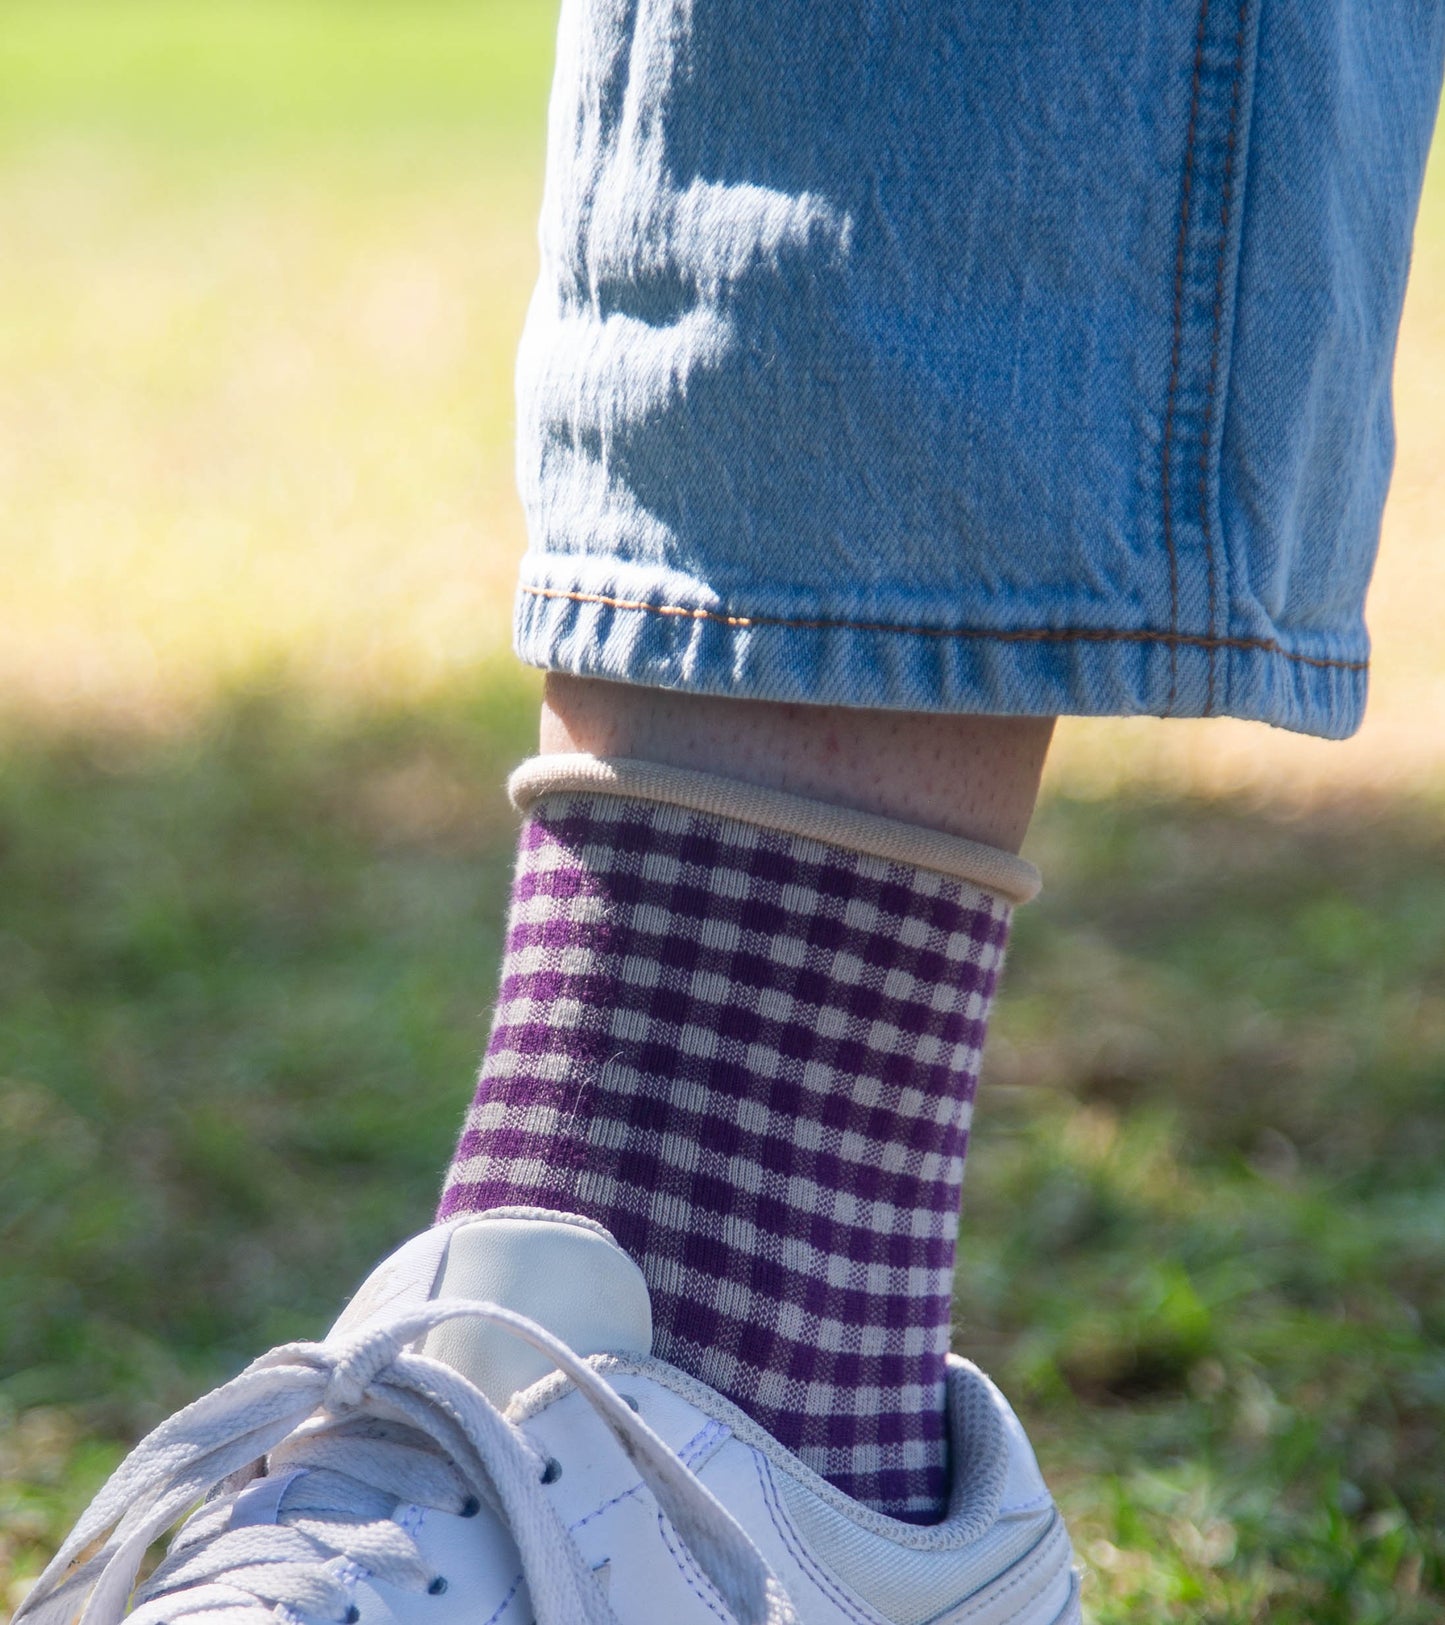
{"type": "Point", "coordinates": [265, 264]}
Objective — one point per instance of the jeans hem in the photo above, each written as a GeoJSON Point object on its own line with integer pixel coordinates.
{"type": "Point", "coordinates": [664, 641]}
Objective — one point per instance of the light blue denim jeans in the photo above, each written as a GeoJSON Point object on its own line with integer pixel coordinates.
{"type": "Point", "coordinates": [960, 355]}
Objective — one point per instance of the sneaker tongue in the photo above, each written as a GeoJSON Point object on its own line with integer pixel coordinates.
{"type": "Point", "coordinates": [564, 1272]}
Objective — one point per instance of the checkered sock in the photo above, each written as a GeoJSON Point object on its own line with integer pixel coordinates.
{"type": "Point", "coordinates": [751, 1055]}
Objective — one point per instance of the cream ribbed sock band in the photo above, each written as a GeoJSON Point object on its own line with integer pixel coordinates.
{"type": "Point", "coordinates": [1004, 874]}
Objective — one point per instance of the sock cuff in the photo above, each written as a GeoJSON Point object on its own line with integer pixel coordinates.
{"type": "Point", "coordinates": [989, 868]}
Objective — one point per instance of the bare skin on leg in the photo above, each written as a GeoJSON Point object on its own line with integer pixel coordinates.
{"type": "Point", "coordinates": [973, 776]}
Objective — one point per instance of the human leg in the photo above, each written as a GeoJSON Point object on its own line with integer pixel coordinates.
{"type": "Point", "coordinates": [751, 1051]}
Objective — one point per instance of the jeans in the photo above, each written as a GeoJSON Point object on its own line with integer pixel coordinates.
{"type": "Point", "coordinates": [960, 355]}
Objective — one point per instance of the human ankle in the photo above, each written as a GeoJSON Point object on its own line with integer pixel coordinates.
{"type": "Point", "coordinates": [972, 776]}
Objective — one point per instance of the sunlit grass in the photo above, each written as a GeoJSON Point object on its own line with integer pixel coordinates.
{"type": "Point", "coordinates": [267, 426]}
{"type": "Point", "coordinates": [260, 75]}
{"type": "Point", "coordinates": [256, 356]}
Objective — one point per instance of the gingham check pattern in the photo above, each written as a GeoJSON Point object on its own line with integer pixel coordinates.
{"type": "Point", "coordinates": [752, 1057]}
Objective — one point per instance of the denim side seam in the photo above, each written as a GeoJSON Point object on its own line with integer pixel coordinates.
{"type": "Point", "coordinates": [1205, 274]}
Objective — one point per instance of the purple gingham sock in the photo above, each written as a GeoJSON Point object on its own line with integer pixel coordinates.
{"type": "Point", "coordinates": [752, 1056]}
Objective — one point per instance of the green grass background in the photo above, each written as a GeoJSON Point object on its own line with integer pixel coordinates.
{"type": "Point", "coordinates": [265, 265]}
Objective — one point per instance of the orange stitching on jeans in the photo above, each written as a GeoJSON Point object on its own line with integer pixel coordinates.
{"type": "Point", "coordinates": [1079, 634]}
{"type": "Point", "coordinates": [1176, 351]}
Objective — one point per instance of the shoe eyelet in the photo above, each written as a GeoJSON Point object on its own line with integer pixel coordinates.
{"type": "Point", "coordinates": [437, 1586]}
{"type": "Point", "coordinates": [351, 1615]}
{"type": "Point", "coordinates": [630, 1402]}
{"type": "Point", "coordinates": [551, 1470]}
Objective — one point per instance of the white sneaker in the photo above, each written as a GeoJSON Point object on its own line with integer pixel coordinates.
{"type": "Point", "coordinates": [375, 1479]}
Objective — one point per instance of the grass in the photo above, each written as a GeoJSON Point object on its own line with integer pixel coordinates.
{"type": "Point", "coordinates": [249, 73]}
{"type": "Point", "coordinates": [255, 480]}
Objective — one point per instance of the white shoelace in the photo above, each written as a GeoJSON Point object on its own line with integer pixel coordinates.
{"type": "Point", "coordinates": [228, 1566]}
